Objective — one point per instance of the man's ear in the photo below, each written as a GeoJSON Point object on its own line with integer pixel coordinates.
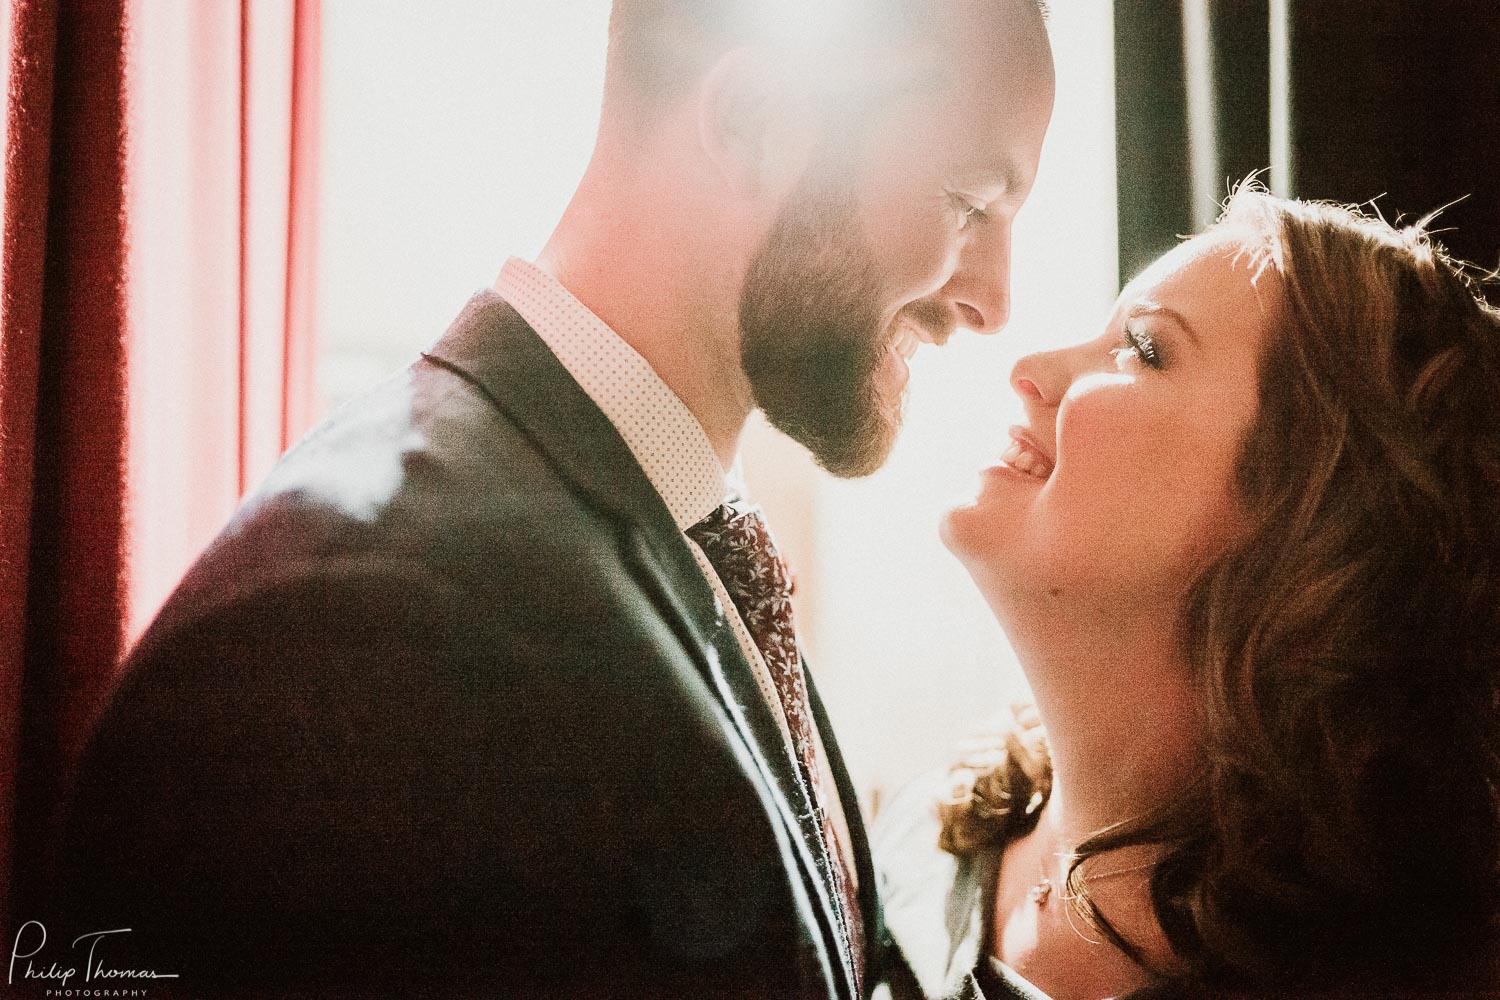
{"type": "Point", "coordinates": [753, 126]}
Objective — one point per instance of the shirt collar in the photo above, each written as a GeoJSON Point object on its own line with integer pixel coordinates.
{"type": "Point", "coordinates": [661, 432]}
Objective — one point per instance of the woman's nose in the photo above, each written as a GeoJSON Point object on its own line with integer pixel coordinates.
{"type": "Point", "coordinates": [1040, 378]}
{"type": "Point", "coordinates": [1025, 387]}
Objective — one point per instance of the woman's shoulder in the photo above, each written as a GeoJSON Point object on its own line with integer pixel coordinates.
{"type": "Point", "coordinates": [938, 842]}
{"type": "Point", "coordinates": [933, 901]}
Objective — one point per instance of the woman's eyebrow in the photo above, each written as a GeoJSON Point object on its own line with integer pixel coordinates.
{"type": "Point", "coordinates": [1146, 307]}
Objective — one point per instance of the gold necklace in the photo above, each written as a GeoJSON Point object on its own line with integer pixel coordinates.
{"type": "Point", "coordinates": [1039, 893]}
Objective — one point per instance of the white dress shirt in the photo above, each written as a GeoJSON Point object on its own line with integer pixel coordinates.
{"type": "Point", "coordinates": [666, 439]}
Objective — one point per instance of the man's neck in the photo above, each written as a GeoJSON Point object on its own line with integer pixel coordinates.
{"type": "Point", "coordinates": [674, 302]}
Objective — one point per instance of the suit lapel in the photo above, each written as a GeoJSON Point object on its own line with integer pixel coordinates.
{"type": "Point", "coordinates": [735, 683]}
{"type": "Point", "coordinates": [492, 347]}
{"type": "Point", "coordinates": [859, 843]}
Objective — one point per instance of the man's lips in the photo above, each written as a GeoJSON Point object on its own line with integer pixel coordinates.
{"type": "Point", "coordinates": [1025, 456]}
{"type": "Point", "coordinates": [911, 334]}
{"type": "Point", "coordinates": [906, 341]}
{"type": "Point", "coordinates": [930, 322]}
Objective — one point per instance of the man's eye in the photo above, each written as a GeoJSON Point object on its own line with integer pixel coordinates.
{"type": "Point", "coordinates": [968, 213]}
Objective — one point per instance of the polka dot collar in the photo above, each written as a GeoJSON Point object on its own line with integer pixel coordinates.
{"type": "Point", "coordinates": [661, 432]}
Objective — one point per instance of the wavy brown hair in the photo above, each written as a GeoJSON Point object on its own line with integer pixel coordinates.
{"type": "Point", "coordinates": [1345, 828]}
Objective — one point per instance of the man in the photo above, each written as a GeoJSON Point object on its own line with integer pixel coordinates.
{"type": "Point", "coordinates": [486, 691]}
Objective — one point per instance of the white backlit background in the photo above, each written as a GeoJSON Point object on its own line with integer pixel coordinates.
{"type": "Point", "coordinates": [454, 134]}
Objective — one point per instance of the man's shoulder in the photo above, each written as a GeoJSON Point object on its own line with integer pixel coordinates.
{"type": "Point", "coordinates": [425, 457]}
{"type": "Point", "coordinates": [486, 426]}
{"type": "Point", "coordinates": [424, 432]}
{"type": "Point", "coordinates": [419, 480]}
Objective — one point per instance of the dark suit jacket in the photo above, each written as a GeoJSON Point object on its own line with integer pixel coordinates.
{"type": "Point", "coordinates": [449, 708]}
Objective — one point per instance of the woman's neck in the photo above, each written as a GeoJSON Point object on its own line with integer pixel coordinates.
{"type": "Point", "coordinates": [1038, 927]}
{"type": "Point", "coordinates": [1121, 717]}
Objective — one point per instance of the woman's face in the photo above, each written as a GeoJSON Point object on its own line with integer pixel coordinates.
{"type": "Point", "coordinates": [1119, 488]}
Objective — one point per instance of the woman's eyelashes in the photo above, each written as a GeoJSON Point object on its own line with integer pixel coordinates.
{"type": "Point", "coordinates": [1140, 343]}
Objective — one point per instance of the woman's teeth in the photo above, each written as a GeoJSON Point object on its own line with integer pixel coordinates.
{"type": "Point", "coordinates": [1023, 459]}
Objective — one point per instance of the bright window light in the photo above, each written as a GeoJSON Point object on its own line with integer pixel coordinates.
{"type": "Point", "coordinates": [455, 133]}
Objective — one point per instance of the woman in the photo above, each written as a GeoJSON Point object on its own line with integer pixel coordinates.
{"type": "Point", "coordinates": [1247, 549]}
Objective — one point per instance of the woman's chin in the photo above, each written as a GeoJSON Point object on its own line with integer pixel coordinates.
{"type": "Point", "coordinates": [948, 534]}
{"type": "Point", "coordinates": [959, 532]}
{"type": "Point", "coordinates": [981, 540]}
{"type": "Point", "coordinates": [1011, 572]}
{"type": "Point", "coordinates": [981, 527]}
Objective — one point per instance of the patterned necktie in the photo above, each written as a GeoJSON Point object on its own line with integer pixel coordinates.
{"type": "Point", "coordinates": [738, 544]}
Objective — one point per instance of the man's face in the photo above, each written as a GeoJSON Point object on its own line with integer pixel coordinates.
{"type": "Point", "coordinates": [897, 239]}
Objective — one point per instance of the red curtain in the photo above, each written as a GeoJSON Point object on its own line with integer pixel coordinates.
{"type": "Point", "coordinates": [223, 120]}
{"type": "Point", "coordinates": [155, 340]}
{"type": "Point", "coordinates": [62, 399]}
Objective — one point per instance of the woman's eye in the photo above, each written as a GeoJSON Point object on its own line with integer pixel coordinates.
{"type": "Point", "coordinates": [1141, 344]}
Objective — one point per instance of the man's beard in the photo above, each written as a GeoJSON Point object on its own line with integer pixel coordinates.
{"type": "Point", "coordinates": [811, 340]}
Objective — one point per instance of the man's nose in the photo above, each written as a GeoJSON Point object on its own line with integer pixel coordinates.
{"type": "Point", "coordinates": [980, 288]}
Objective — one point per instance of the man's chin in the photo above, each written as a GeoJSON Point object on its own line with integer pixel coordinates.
{"type": "Point", "coordinates": [847, 453]}
{"type": "Point", "coordinates": [843, 405]}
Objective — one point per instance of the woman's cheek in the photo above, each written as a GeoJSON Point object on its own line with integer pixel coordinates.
{"type": "Point", "coordinates": [1104, 441]}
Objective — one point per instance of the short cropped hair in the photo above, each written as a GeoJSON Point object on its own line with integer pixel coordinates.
{"type": "Point", "coordinates": [659, 48]}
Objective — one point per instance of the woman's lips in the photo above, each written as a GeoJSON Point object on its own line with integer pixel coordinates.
{"type": "Point", "coordinates": [1025, 457]}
